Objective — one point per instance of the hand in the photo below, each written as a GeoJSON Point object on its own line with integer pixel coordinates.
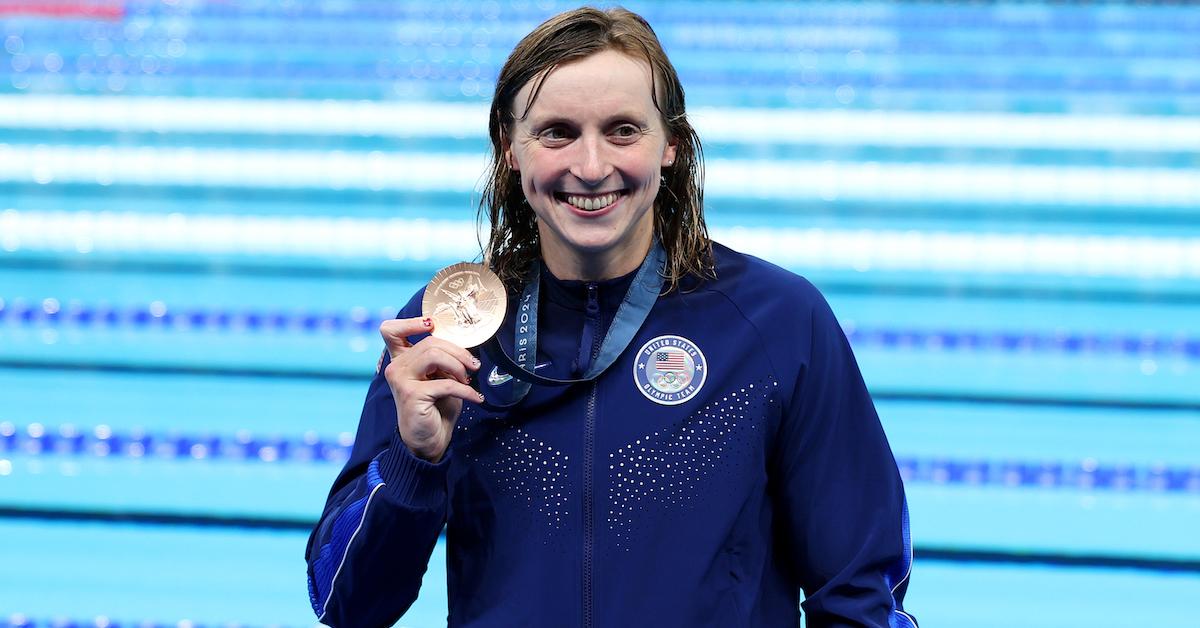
{"type": "Point", "coordinates": [429, 382]}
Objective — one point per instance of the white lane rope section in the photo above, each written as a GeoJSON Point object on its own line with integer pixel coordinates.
{"type": "Point", "coordinates": [281, 236]}
{"type": "Point", "coordinates": [252, 168]}
{"type": "Point", "coordinates": [462, 120]}
{"type": "Point", "coordinates": [725, 178]}
{"type": "Point", "coordinates": [452, 240]}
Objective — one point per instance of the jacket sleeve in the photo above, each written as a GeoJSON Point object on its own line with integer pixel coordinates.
{"type": "Point", "coordinates": [371, 547]}
{"type": "Point", "coordinates": [839, 492]}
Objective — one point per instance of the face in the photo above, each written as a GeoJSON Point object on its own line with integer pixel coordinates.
{"type": "Point", "coordinates": [590, 152]}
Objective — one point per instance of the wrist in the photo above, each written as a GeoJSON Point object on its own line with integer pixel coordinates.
{"type": "Point", "coordinates": [409, 479]}
{"type": "Point", "coordinates": [432, 455]}
{"type": "Point", "coordinates": [428, 451]}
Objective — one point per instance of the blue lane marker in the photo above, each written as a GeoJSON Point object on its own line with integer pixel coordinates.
{"type": "Point", "coordinates": [36, 439]}
{"type": "Point", "coordinates": [1070, 343]}
{"type": "Point", "coordinates": [358, 320]}
{"type": "Point", "coordinates": [18, 620]}
{"type": "Point", "coordinates": [49, 313]}
{"type": "Point", "coordinates": [1087, 474]}
{"type": "Point", "coordinates": [102, 442]}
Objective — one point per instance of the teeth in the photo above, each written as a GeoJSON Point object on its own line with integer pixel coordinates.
{"type": "Point", "coordinates": [587, 203]}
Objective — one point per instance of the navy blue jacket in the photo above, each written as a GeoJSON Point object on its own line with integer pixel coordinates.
{"type": "Point", "coordinates": [730, 458]}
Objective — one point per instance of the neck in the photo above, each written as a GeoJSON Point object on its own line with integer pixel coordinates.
{"type": "Point", "coordinates": [569, 264]}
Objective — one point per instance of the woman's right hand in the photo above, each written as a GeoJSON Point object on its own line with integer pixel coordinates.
{"type": "Point", "coordinates": [429, 382]}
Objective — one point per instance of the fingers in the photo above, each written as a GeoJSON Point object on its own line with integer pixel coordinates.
{"type": "Point", "coordinates": [429, 382]}
{"type": "Point", "coordinates": [395, 332]}
{"type": "Point", "coordinates": [463, 356]}
{"type": "Point", "coordinates": [424, 362]}
{"type": "Point", "coordinates": [435, 389]}
{"type": "Point", "coordinates": [415, 398]}
{"type": "Point", "coordinates": [436, 361]}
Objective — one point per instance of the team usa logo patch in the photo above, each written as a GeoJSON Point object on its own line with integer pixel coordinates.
{"type": "Point", "coordinates": [670, 370]}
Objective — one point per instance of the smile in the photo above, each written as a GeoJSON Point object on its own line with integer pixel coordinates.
{"type": "Point", "coordinates": [590, 203]}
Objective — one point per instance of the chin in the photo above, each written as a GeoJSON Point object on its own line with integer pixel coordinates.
{"type": "Point", "coordinates": [599, 240]}
{"type": "Point", "coordinates": [591, 246]}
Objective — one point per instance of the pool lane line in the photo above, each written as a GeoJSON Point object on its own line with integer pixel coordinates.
{"type": "Point", "coordinates": [389, 271]}
{"type": "Point", "coordinates": [806, 147]}
{"type": "Point", "coordinates": [1054, 559]}
{"type": "Point", "coordinates": [719, 19]}
{"type": "Point", "coordinates": [888, 288]}
{"type": "Point", "coordinates": [116, 620]}
{"type": "Point", "coordinates": [35, 440]}
{"type": "Point", "coordinates": [923, 553]}
{"type": "Point", "coordinates": [52, 313]}
{"type": "Point", "coordinates": [101, 441]}
{"type": "Point", "coordinates": [83, 196]}
{"type": "Point", "coordinates": [407, 271]}
{"type": "Point", "coordinates": [809, 179]}
{"type": "Point", "coordinates": [248, 372]}
{"type": "Point", "coordinates": [250, 118]}
{"type": "Point", "coordinates": [381, 239]}
{"type": "Point", "coordinates": [1034, 400]}
{"type": "Point", "coordinates": [363, 377]}
{"type": "Point", "coordinates": [199, 520]}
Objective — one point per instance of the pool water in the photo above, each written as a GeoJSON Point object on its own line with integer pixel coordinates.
{"type": "Point", "coordinates": [206, 208]}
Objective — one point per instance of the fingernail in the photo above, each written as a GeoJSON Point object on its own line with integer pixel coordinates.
{"type": "Point", "coordinates": [428, 322]}
{"type": "Point", "coordinates": [476, 362]}
{"type": "Point", "coordinates": [481, 398]}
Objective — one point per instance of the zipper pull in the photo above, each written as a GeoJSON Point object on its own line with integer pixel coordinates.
{"type": "Point", "coordinates": [593, 300]}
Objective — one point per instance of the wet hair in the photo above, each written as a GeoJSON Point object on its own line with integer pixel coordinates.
{"type": "Point", "coordinates": [513, 242]}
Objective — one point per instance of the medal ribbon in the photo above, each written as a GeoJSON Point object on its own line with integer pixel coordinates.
{"type": "Point", "coordinates": [634, 308]}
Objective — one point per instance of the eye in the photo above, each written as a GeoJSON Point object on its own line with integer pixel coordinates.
{"type": "Point", "coordinates": [626, 133]}
{"type": "Point", "coordinates": [554, 136]}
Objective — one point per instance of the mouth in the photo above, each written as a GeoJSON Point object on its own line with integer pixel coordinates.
{"type": "Point", "coordinates": [590, 202]}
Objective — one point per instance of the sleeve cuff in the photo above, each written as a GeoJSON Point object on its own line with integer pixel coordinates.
{"type": "Point", "coordinates": [410, 480]}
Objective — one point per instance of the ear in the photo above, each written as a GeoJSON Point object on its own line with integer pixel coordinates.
{"type": "Point", "coordinates": [507, 150]}
{"type": "Point", "coordinates": [669, 153]}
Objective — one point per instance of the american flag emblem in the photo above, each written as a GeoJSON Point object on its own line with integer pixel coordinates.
{"type": "Point", "coordinates": [670, 361]}
{"type": "Point", "coordinates": [670, 370]}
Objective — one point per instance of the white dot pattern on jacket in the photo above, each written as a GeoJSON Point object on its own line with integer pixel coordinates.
{"type": "Point", "coordinates": [671, 467]}
{"type": "Point", "coordinates": [531, 471]}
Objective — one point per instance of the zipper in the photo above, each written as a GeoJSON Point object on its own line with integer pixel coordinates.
{"type": "Point", "coordinates": [589, 445]}
{"type": "Point", "coordinates": [590, 332]}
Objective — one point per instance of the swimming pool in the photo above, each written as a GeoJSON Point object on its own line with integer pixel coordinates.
{"type": "Point", "coordinates": [208, 207]}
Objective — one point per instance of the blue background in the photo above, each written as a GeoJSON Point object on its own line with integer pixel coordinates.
{"type": "Point", "coordinates": [207, 207]}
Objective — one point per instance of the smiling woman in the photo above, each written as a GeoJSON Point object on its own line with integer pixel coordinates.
{"type": "Point", "coordinates": [616, 121]}
{"type": "Point", "coordinates": [590, 150]}
{"type": "Point", "coordinates": [684, 438]}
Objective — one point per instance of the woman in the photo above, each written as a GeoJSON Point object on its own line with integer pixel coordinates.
{"type": "Point", "coordinates": [718, 452]}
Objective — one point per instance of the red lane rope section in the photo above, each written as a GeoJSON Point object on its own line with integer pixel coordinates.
{"type": "Point", "coordinates": [112, 9]}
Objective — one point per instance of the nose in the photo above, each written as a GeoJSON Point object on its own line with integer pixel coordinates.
{"type": "Point", "coordinates": [592, 165]}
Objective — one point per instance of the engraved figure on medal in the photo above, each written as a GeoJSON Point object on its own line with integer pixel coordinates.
{"type": "Point", "coordinates": [466, 302]}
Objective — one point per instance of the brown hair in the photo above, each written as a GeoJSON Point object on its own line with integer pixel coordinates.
{"type": "Point", "coordinates": [513, 242]}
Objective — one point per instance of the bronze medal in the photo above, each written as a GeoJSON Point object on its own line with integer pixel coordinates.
{"type": "Point", "coordinates": [466, 302]}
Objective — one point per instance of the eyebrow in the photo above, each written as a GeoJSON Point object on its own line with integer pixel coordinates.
{"type": "Point", "coordinates": [552, 119]}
